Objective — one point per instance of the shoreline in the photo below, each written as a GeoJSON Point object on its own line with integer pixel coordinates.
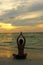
{"type": "Point", "coordinates": [11, 61]}
{"type": "Point", "coordinates": [34, 57]}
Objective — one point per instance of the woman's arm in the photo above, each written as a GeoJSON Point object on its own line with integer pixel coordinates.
{"type": "Point", "coordinates": [18, 39]}
{"type": "Point", "coordinates": [24, 39]}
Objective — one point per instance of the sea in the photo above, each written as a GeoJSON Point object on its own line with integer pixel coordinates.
{"type": "Point", "coordinates": [33, 48]}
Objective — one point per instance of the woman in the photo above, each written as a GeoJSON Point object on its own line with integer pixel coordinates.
{"type": "Point", "coordinates": [21, 43]}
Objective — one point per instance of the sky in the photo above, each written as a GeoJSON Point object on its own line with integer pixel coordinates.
{"type": "Point", "coordinates": [21, 15]}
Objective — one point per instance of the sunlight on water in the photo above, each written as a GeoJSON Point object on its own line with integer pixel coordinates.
{"type": "Point", "coordinates": [5, 37]}
{"type": "Point", "coordinates": [5, 53]}
{"type": "Point", "coordinates": [8, 42]}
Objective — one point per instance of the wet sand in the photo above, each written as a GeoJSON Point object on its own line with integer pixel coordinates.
{"type": "Point", "coordinates": [21, 62]}
{"type": "Point", "coordinates": [34, 57]}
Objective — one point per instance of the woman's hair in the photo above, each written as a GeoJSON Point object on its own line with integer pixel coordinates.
{"type": "Point", "coordinates": [21, 41]}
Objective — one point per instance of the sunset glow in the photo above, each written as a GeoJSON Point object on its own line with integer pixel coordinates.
{"type": "Point", "coordinates": [21, 15]}
{"type": "Point", "coordinates": [7, 26]}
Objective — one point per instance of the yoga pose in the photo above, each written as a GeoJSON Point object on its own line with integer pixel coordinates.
{"type": "Point", "coordinates": [21, 43]}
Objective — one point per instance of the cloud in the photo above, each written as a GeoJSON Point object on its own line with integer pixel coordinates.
{"type": "Point", "coordinates": [23, 19]}
{"type": "Point", "coordinates": [36, 28]}
{"type": "Point", "coordinates": [7, 5]}
{"type": "Point", "coordinates": [30, 15]}
{"type": "Point", "coordinates": [36, 7]}
{"type": "Point", "coordinates": [21, 12]}
{"type": "Point", "coordinates": [27, 19]}
{"type": "Point", "coordinates": [19, 5]}
{"type": "Point", "coordinates": [39, 26]}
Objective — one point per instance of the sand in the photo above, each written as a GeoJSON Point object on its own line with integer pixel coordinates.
{"type": "Point", "coordinates": [21, 62]}
{"type": "Point", "coordinates": [34, 57]}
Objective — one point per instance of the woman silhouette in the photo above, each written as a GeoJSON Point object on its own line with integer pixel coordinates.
{"type": "Point", "coordinates": [21, 43]}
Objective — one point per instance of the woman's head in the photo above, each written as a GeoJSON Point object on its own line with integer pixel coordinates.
{"type": "Point", "coordinates": [21, 41]}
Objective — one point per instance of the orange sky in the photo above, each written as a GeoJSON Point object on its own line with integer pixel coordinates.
{"type": "Point", "coordinates": [10, 28]}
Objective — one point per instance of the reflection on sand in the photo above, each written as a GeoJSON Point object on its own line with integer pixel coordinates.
{"type": "Point", "coordinates": [5, 51]}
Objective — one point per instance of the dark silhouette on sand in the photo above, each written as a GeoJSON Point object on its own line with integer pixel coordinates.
{"type": "Point", "coordinates": [21, 44]}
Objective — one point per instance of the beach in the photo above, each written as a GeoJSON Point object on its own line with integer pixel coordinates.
{"type": "Point", "coordinates": [34, 57]}
{"type": "Point", "coordinates": [21, 62]}
{"type": "Point", "coordinates": [34, 49]}
{"type": "Point", "coordinates": [21, 32]}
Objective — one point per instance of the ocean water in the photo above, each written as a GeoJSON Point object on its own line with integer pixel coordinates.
{"type": "Point", "coordinates": [32, 39]}
{"type": "Point", "coordinates": [33, 47]}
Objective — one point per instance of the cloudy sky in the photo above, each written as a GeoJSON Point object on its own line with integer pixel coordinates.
{"type": "Point", "coordinates": [21, 15]}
